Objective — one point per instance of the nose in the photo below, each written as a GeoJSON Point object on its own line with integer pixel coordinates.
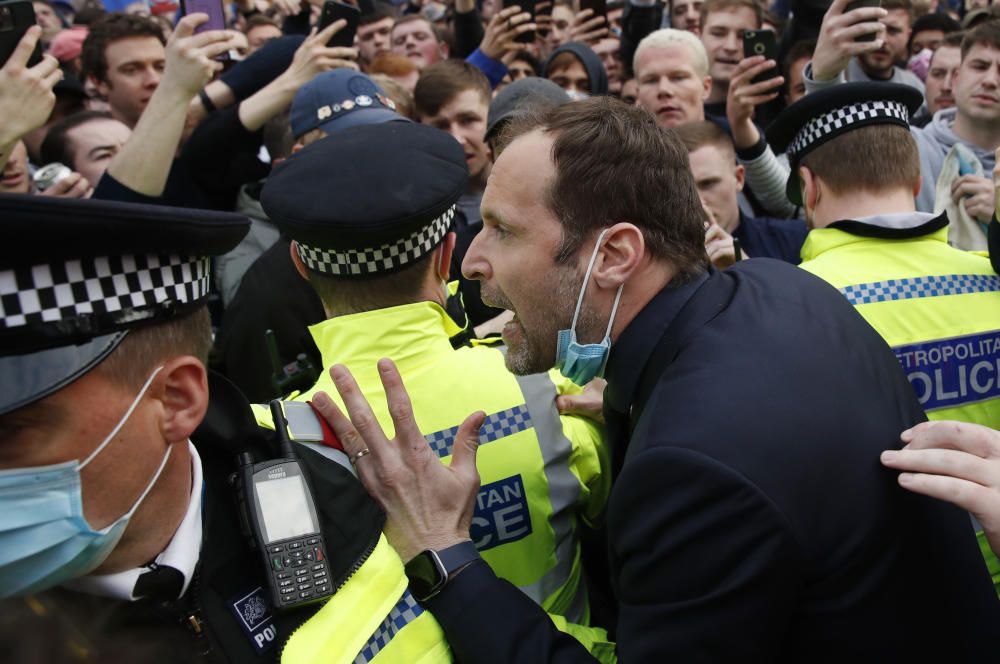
{"type": "Point", "coordinates": [152, 78]}
{"type": "Point", "coordinates": [733, 41]}
{"type": "Point", "coordinates": [475, 265]}
{"type": "Point", "coordinates": [666, 89]}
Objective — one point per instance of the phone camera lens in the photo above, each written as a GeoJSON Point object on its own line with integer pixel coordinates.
{"type": "Point", "coordinates": [758, 49]}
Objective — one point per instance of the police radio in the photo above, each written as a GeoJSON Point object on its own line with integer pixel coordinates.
{"type": "Point", "coordinates": [282, 522]}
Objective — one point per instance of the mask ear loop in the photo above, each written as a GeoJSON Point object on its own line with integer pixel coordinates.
{"type": "Point", "coordinates": [123, 420]}
{"type": "Point", "coordinates": [586, 281]}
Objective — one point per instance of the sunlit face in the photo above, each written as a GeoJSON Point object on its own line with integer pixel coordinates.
{"type": "Point", "coordinates": [719, 180]}
{"type": "Point", "coordinates": [926, 39]}
{"type": "Point", "coordinates": [940, 78]}
{"type": "Point", "coordinates": [374, 39]}
{"type": "Point", "coordinates": [464, 117]}
{"type": "Point", "coordinates": [93, 144]}
{"type": "Point", "coordinates": [722, 36]}
{"type": "Point", "coordinates": [417, 41]}
{"type": "Point", "coordinates": [686, 15]}
{"type": "Point", "coordinates": [562, 19]}
{"type": "Point", "coordinates": [15, 178]}
{"type": "Point", "coordinates": [135, 67]}
{"type": "Point", "coordinates": [670, 87]}
{"type": "Point", "coordinates": [977, 84]}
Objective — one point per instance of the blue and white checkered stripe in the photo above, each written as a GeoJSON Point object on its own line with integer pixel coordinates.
{"type": "Point", "coordinates": [401, 615]}
{"type": "Point", "coordinates": [907, 289]}
{"type": "Point", "coordinates": [498, 425]}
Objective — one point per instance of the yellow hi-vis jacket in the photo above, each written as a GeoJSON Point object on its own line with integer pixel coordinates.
{"type": "Point", "coordinates": [936, 306]}
{"type": "Point", "coordinates": [539, 471]}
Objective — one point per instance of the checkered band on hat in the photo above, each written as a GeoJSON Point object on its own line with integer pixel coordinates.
{"type": "Point", "coordinates": [838, 119]}
{"type": "Point", "coordinates": [360, 262]}
{"type": "Point", "coordinates": [98, 294]}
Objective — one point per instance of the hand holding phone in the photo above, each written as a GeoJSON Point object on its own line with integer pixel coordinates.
{"type": "Point", "coordinates": [526, 6]}
{"type": "Point", "coordinates": [16, 16]}
{"type": "Point", "coordinates": [334, 11]}
{"type": "Point", "coordinates": [858, 4]}
{"type": "Point", "coordinates": [761, 42]}
{"type": "Point", "coordinates": [26, 98]}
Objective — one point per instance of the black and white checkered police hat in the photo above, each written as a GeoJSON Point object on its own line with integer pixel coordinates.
{"type": "Point", "coordinates": [368, 200]}
{"type": "Point", "coordinates": [823, 115]}
{"type": "Point", "coordinates": [76, 275]}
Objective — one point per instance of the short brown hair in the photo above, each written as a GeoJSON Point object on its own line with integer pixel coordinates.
{"type": "Point", "coordinates": [257, 20]}
{"type": "Point", "coordinates": [614, 164]}
{"type": "Point", "coordinates": [697, 135]}
{"type": "Point", "coordinates": [985, 34]}
{"type": "Point", "coordinates": [720, 5]}
{"type": "Point", "coordinates": [398, 94]}
{"type": "Point", "coordinates": [439, 83]}
{"type": "Point", "coordinates": [145, 348]}
{"type": "Point", "coordinates": [873, 158]}
{"type": "Point", "coordinates": [342, 297]}
{"type": "Point", "coordinates": [108, 29]}
{"type": "Point", "coordinates": [899, 4]}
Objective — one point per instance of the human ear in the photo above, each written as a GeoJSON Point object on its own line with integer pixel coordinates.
{"type": "Point", "coordinates": [623, 250]}
{"type": "Point", "coordinates": [182, 389]}
{"type": "Point", "coordinates": [300, 267]}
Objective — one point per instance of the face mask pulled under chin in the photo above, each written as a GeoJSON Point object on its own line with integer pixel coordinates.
{"type": "Point", "coordinates": [45, 539]}
{"type": "Point", "coordinates": [581, 363]}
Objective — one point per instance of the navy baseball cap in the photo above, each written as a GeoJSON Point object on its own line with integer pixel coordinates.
{"type": "Point", "coordinates": [339, 99]}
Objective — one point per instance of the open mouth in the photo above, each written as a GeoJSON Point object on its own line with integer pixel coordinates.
{"type": "Point", "coordinates": [11, 180]}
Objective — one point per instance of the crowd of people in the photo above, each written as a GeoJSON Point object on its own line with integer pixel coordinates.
{"type": "Point", "coordinates": [598, 330]}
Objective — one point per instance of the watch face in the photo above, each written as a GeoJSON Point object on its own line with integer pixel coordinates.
{"type": "Point", "coordinates": [426, 575]}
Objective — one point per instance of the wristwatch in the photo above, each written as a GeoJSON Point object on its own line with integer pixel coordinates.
{"type": "Point", "coordinates": [430, 570]}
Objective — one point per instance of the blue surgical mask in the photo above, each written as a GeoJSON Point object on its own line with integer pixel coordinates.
{"type": "Point", "coordinates": [582, 362]}
{"type": "Point", "coordinates": [44, 538]}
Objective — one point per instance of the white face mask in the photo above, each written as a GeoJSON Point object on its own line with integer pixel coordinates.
{"type": "Point", "coordinates": [44, 538]}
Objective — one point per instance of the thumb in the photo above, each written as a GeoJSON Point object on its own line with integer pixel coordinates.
{"type": "Point", "coordinates": [463, 455]}
{"type": "Point", "coordinates": [566, 403]}
{"type": "Point", "coordinates": [185, 27]}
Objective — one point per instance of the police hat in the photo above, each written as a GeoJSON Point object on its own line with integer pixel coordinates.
{"type": "Point", "coordinates": [76, 275]}
{"type": "Point", "coordinates": [369, 200]}
{"type": "Point", "coordinates": [833, 111]}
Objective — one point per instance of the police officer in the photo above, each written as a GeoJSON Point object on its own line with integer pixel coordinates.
{"type": "Point", "coordinates": [369, 210]}
{"type": "Point", "coordinates": [855, 171]}
{"type": "Point", "coordinates": [119, 535]}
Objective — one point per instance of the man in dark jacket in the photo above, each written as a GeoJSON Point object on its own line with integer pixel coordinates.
{"type": "Point", "coordinates": [747, 410]}
{"type": "Point", "coordinates": [575, 68]}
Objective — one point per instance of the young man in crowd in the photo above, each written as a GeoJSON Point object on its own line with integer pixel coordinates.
{"type": "Point", "coordinates": [374, 36]}
{"type": "Point", "coordinates": [839, 53]}
{"type": "Point", "coordinates": [929, 31]}
{"type": "Point", "coordinates": [609, 51]}
{"type": "Point", "coordinates": [123, 57]}
{"type": "Point", "coordinates": [454, 96]}
{"type": "Point", "coordinates": [685, 15]}
{"type": "Point", "coordinates": [575, 68]}
{"type": "Point", "coordinates": [720, 180]}
{"type": "Point", "coordinates": [259, 30]}
{"type": "Point", "coordinates": [415, 37]}
{"type": "Point", "coordinates": [671, 69]}
{"type": "Point", "coordinates": [48, 18]}
{"type": "Point", "coordinates": [938, 92]}
{"type": "Point", "coordinates": [86, 142]}
{"type": "Point", "coordinates": [722, 26]}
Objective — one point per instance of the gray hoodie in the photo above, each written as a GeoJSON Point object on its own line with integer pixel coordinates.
{"type": "Point", "coordinates": [934, 142]}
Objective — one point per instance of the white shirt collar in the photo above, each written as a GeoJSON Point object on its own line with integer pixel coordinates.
{"type": "Point", "coordinates": [181, 552]}
{"type": "Point", "coordinates": [898, 220]}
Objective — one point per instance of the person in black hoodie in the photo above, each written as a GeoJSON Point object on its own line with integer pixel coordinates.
{"type": "Point", "coordinates": [575, 68]}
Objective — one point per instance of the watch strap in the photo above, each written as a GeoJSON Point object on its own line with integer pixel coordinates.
{"type": "Point", "coordinates": [457, 556]}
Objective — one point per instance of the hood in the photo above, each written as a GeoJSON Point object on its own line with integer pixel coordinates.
{"type": "Point", "coordinates": [591, 63]}
{"type": "Point", "coordinates": [940, 130]}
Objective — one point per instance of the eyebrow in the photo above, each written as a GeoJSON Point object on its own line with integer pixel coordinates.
{"type": "Point", "coordinates": [91, 152]}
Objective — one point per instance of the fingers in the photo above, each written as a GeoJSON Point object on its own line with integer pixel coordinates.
{"type": "Point", "coordinates": [46, 67]}
{"type": "Point", "coordinates": [218, 48]}
{"type": "Point", "coordinates": [365, 430]}
{"type": "Point", "coordinates": [968, 495]}
{"type": "Point", "coordinates": [209, 37]}
{"type": "Point", "coordinates": [185, 27]}
{"type": "Point", "coordinates": [950, 463]}
{"type": "Point", "coordinates": [972, 438]}
{"type": "Point", "coordinates": [400, 408]}
{"type": "Point", "coordinates": [54, 76]}
{"type": "Point", "coordinates": [25, 47]}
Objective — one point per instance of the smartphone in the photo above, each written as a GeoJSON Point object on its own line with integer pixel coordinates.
{"type": "Point", "coordinates": [599, 7]}
{"type": "Point", "coordinates": [16, 16]}
{"type": "Point", "coordinates": [334, 11]}
{"type": "Point", "coordinates": [858, 4]}
{"type": "Point", "coordinates": [761, 42]}
{"type": "Point", "coordinates": [216, 14]}
{"type": "Point", "coordinates": [526, 6]}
